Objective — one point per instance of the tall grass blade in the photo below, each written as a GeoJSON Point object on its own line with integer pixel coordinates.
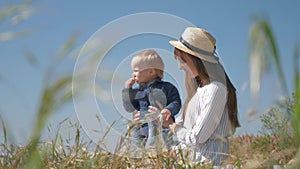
{"type": "Point", "coordinates": [263, 50]}
{"type": "Point", "coordinates": [296, 123]}
{"type": "Point", "coordinates": [31, 58]}
{"type": "Point", "coordinates": [258, 60]}
{"type": "Point", "coordinates": [273, 49]}
{"type": "Point", "coordinates": [68, 46]}
{"type": "Point", "coordinates": [50, 101]}
{"type": "Point", "coordinates": [11, 10]}
{"type": "Point", "coordinates": [4, 130]}
{"type": "Point", "coordinates": [7, 36]}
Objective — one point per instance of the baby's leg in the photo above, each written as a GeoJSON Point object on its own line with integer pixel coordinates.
{"type": "Point", "coordinates": [152, 133]}
{"type": "Point", "coordinates": [155, 137]}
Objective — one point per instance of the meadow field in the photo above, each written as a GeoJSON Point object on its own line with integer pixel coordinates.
{"type": "Point", "coordinates": [277, 143]}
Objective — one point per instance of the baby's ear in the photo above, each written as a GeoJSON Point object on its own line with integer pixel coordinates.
{"type": "Point", "coordinates": [152, 71]}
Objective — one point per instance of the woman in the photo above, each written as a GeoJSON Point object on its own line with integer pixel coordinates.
{"type": "Point", "coordinates": [209, 116]}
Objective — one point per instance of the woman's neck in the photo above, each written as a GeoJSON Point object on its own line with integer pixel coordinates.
{"type": "Point", "coordinates": [201, 82]}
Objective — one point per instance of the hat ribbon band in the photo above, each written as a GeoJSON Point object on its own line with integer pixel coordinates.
{"type": "Point", "coordinates": [195, 49]}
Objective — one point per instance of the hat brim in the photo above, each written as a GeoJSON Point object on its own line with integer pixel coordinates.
{"type": "Point", "coordinates": [179, 45]}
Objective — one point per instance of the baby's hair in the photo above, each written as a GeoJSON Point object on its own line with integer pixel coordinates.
{"type": "Point", "coordinates": [150, 59]}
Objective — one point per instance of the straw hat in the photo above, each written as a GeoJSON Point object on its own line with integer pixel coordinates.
{"type": "Point", "coordinates": [197, 42]}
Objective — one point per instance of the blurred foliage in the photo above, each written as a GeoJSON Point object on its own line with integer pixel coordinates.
{"type": "Point", "coordinates": [14, 14]}
{"type": "Point", "coordinates": [263, 51]}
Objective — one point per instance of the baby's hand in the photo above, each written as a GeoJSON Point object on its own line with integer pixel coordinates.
{"type": "Point", "coordinates": [153, 109]}
{"type": "Point", "coordinates": [165, 112]}
{"type": "Point", "coordinates": [136, 116]}
{"type": "Point", "coordinates": [129, 83]}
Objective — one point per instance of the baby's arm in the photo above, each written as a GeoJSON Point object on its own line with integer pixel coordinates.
{"type": "Point", "coordinates": [129, 83]}
{"type": "Point", "coordinates": [127, 96]}
{"type": "Point", "coordinates": [173, 102]}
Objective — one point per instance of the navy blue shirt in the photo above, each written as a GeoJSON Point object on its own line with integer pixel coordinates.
{"type": "Point", "coordinates": [142, 96]}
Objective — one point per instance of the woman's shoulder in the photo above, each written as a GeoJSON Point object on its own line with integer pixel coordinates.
{"type": "Point", "coordinates": [213, 89]}
{"type": "Point", "coordinates": [214, 85]}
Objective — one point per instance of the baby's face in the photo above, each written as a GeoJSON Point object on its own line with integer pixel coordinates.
{"type": "Point", "coordinates": [143, 75]}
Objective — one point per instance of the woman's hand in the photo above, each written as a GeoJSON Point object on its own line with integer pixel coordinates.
{"type": "Point", "coordinates": [167, 123]}
{"type": "Point", "coordinates": [166, 113]}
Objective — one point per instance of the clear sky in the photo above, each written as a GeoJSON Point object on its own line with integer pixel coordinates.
{"type": "Point", "coordinates": [53, 22]}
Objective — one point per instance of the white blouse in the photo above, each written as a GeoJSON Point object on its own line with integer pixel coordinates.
{"type": "Point", "coordinates": [206, 123]}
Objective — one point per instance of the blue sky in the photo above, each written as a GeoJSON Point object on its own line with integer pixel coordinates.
{"type": "Point", "coordinates": [53, 22]}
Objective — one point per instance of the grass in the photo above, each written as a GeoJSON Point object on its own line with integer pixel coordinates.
{"type": "Point", "coordinates": [246, 151]}
{"type": "Point", "coordinates": [275, 145]}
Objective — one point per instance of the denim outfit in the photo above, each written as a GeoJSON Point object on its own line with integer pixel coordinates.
{"type": "Point", "coordinates": [144, 95]}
